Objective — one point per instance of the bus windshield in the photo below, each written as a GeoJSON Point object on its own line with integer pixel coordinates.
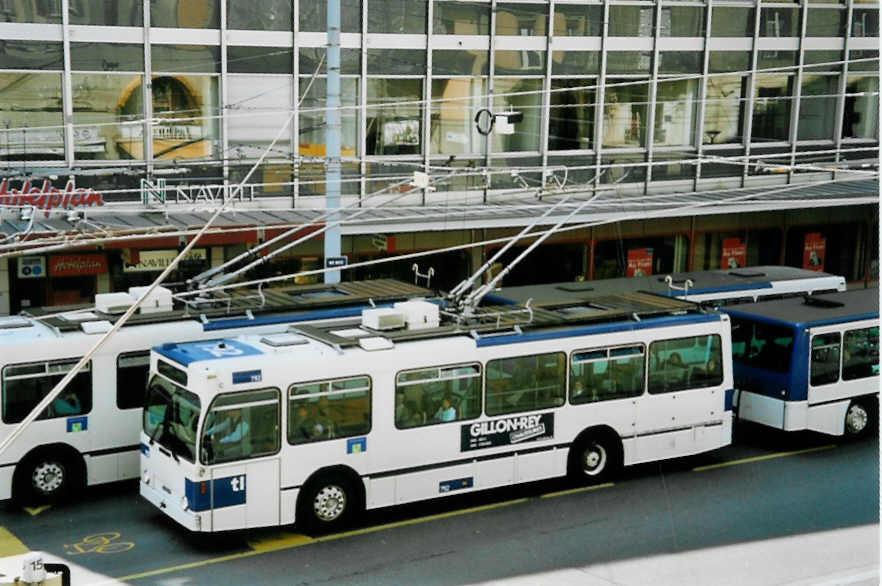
{"type": "Point", "coordinates": [170, 417]}
{"type": "Point", "coordinates": [761, 345]}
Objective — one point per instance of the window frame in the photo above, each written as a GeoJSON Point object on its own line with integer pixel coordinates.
{"type": "Point", "coordinates": [289, 397]}
{"type": "Point", "coordinates": [439, 379]}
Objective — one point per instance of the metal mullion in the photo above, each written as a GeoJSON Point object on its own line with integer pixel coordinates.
{"type": "Point", "coordinates": [147, 94]}
{"type": "Point", "coordinates": [427, 93]}
{"type": "Point", "coordinates": [362, 106]}
{"type": "Point", "coordinates": [797, 92]}
{"type": "Point", "coordinates": [546, 95]}
{"type": "Point", "coordinates": [488, 101]}
{"type": "Point", "coordinates": [600, 95]}
{"type": "Point", "coordinates": [702, 94]}
{"type": "Point", "coordinates": [652, 96]}
{"type": "Point", "coordinates": [66, 89]}
{"type": "Point", "coordinates": [224, 98]}
{"type": "Point", "coordinates": [843, 86]}
{"type": "Point", "coordinates": [751, 84]}
{"type": "Point", "coordinates": [295, 99]}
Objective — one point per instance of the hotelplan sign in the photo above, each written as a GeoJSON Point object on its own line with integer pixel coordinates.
{"type": "Point", "coordinates": [47, 197]}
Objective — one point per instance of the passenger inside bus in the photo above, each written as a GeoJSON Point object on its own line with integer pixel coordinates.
{"type": "Point", "coordinates": [446, 411]}
{"type": "Point", "coordinates": [67, 404]}
{"type": "Point", "coordinates": [232, 429]}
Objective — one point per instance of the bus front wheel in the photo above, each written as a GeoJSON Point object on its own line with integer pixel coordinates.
{"type": "Point", "coordinates": [595, 458]}
{"type": "Point", "coordinates": [858, 419]}
{"type": "Point", "coordinates": [328, 503]}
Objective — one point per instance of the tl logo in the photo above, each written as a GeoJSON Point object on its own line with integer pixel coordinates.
{"type": "Point", "coordinates": [237, 483]}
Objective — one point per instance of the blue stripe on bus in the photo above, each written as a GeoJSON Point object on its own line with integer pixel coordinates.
{"type": "Point", "coordinates": [730, 396]}
{"type": "Point", "coordinates": [597, 329]}
{"type": "Point", "coordinates": [799, 324]}
{"type": "Point", "coordinates": [242, 322]}
{"type": "Point", "coordinates": [227, 492]}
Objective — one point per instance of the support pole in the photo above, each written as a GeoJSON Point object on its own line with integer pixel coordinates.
{"type": "Point", "coordinates": [333, 132]}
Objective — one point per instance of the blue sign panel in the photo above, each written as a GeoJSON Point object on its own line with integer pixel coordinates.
{"type": "Point", "coordinates": [356, 445]}
{"type": "Point", "coordinates": [227, 491]}
{"type": "Point", "coordinates": [247, 376]}
{"type": "Point", "coordinates": [75, 424]}
{"type": "Point", "coordinates": [333, 262]}
{"type": "Point", "coordinates": [451, 485]}
{"type": "Point", "coordinates": [208, 350]}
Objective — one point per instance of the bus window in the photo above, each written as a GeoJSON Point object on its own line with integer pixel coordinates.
{"type": "Point", "coordinates": [437, 395]}
{"type": "Point", "coordinates": [132, 372]}
{"type": "Point", "coordinates": [240, 426]}
{"type": "Point", "coordinates": [329, 409]}
{"type": "Point", "coordinates": [825, 359]}
{"type": "Point", "coordinates": [762, 345]}
{"type": "Point", "coordinates": [25, 385]}
{"type": "Point", "coordinates": [602, 375]}
{"type": "Point", "coordinates": [685, 363]}
{"type": "Point", "coordinates": [860, 354]}
{"type": "Point", "coordinates": [170, 417]}
{"type": "Point", "coordinates": [525, 383]}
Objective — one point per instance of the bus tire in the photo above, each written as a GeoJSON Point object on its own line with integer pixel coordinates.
{"type": "Point", "coordinates": [48, 475]}
{"type": "Point", "coordinates": [329, 501]}
{"type": "Point", "coordinates": [595, 457]}
{"type": "Point", "coordinates": [859, 419]}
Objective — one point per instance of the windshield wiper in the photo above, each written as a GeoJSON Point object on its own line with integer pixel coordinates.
{"type": "Point", "coordinates": [155, 431]}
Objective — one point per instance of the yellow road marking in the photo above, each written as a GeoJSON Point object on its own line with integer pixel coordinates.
{"type": "Point", "coordinates": [575, 490]}
{"type": "Point", "coordinates": [759, 458]}
{"type": "Point", "coordinates": [34, 511]}
{"type": "Point", "coordinates": [293, 540]}
{"type": "Point", "coordinates": [10, 544]}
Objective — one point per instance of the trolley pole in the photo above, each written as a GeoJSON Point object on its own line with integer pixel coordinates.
{"type": "Point", "coordinates": [333, 131]}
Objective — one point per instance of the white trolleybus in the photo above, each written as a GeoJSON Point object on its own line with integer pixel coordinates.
{"type": "Point", "coordinates": [89, 433]}
{"type": "Point", "coordinates": [809, 363]}
{"type": "Point", "coordinates": [316, 424]}
{"type": "Point", "coordinates": [713, 287]}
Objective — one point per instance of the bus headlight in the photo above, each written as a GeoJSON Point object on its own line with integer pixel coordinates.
{"type": "Point", "coordinates": [184, 505]}
{"type": "Point", "coordinates": [145, 476]}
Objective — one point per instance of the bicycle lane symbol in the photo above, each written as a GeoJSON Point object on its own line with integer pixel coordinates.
{"type": "Point", "coordinates": [99, 543]}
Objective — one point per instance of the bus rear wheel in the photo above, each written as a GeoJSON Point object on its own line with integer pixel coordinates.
{"type": "Point", "coordinates": [45, 477]}
{"type": "Point", "coordinates": [858, 419]}
{"type": "Point", "coordinates": [595, 458]}
{"type": "Point", "coordinates": [327, 503]}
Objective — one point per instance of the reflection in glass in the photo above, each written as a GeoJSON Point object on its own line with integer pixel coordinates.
{"type": "Point", "coordinates": [772, 59]}
{"type": "Point", "coordinates": [522, 20]}
{"type": "Point", "coordinates": [454, 103]}
{"type": "Point", "coordinates": [259, 59]}
{"type": "Point", "coordinates": [313, 58]}
{"type": "Point", "coordinates": [314, 15]}
{"type": "Point", "coordinates": [99, 129]}
{"type": "Point", "coordinates": [575, 62]}
{"type": "Point", "coordinates": [393, 130]}
{"type": "Point", "coordinates": [397, 16]}
{"type": "Point", "coordinates": [682, 21]}
{"type": "Point", "coordinates": [275, 178]}
{"type": "Point", "coordinates": [519, 62]}
{"type": "Point", "coordinates": [630, 21]}
{"type": "Point", "coordinates": [312, 178]}
{"type": "Point", "coordinates": [185, 58]}
{"type": "Point", "coordinates": [817, 107]}
{"type": "Point", "coordinates": [676, 107]}
{"type": "Point", "coordinates": [257, 109]}
{"type": "Point", "coordinates": [571, 115]}
{"type": "Point", "coordinates": [312, 123]}
{"type": "Point", "coordinates": [185, 97]}
{"type": "Point", "coordinates": [43, 55]}
{"type": "Point", "coordinates": [771, 108]}
{"type": "Point", "coordinates": [628, 62]}
{"type": "Point", "coordinates": [396, 61]}
{"type": "Point", "coordinates": [865, 60]}
{"type": "Point", "coordinates": [624, 113]}
{"type": "Point", "coordinates": [723, 61]}
{"type": "Point", "coordinates": [38, 11]}
{"type": "Point", "coordinates": [526, 132]}
{"type": "Point", "coordinates": [779, 22]}
{"type": "Point", "coordinates": [266, 15]}
{"type": "Point", "coordinates": [718, 168]}
{"type": "Point", "coordinates": [680, 62]}
{"type": "Point", "coordinates": [461, 18]}
{"type": "Point", "coordinates": [460, 62]}
{"type": "Point", "coordinates": [102, 12]}
{"type": "Point", "coordinates": [189, 14]}
{"type": "Point", "coordinates": [825, 22]}
{"type": "Point", "coordinates": [578, 21]}
{"type": "Point", "coordinates": [831, 59]}
{"type": "Point", "coordinates": [865, 23]}
{"type": "Point", "coordinates": [861, 116]}
{"type": "Point", "coordinates": [732, 21]}
{"type": "Point", "coordinates": [724, 109]}
{"type": "Point", "coordinates": [106, 57]}
{"type": "Point", "coordinates": [622, 169]}
{"type": "Point", "coordinates": [29, 101]}
{"type": "Point", "coordinates": [675, 168]}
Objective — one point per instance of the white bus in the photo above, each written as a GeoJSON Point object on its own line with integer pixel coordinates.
{"type": "Point", "coordinates": [316, 424]}
{"type": "Point", "coordinates": [809, 363]}
{"type": "Point", "coordinates": [89, 434]}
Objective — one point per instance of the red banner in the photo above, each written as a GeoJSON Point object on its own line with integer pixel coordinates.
{"type": "Point", "coordinates": [734, 254]}
{"type": "Point", "coordinates": [75, 265]}
{"type": "Point", "coordinates": [639, 262]}
{"type": "Point", "coordinates": [814, 251]}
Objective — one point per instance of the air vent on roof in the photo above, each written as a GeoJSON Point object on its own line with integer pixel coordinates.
{"type": "Point", "coordinates": [375, 343]}
{"type": "Point", "coordinates": [278, 340]}
{"type": "Point", "coordinates": [79, 316]}
{"type": "Point", "coordinates": [96, 327]}
{"type": "Point", "coordinates": [350, 333]}
{"type": "Point", "coordinates": [821, 302]}
{"type": "Point", "coordinates": [8, 323]}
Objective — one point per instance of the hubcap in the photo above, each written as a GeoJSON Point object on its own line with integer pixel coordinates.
{"type": "Point", "coordinates": [48, 477]}
{"type": "Point", "coordinates": [329, 503]}
{"type": "Point", "coordinates": [856, 419]}
{"type": "Point", "coordinates": [594, 459]}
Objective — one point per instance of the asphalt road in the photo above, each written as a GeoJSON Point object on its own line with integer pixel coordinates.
{"type": "Point", "coordinates": [772, 509]}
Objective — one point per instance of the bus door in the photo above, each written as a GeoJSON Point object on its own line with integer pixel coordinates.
{"type": "Point", "coordinates": [241, 441]}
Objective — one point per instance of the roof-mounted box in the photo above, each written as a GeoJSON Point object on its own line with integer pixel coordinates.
{"type": "Point", "coordinates": [382, 318]}
{"type": "Point", "coordinates": [160, 299]}
{"type": "Point", "coordinates": [419, 315]}
{"type": "Point", "coordinates": [113, 302]}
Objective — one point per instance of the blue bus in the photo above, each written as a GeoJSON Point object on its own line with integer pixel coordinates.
{"type": "Point", "coordinates": [808, 363]}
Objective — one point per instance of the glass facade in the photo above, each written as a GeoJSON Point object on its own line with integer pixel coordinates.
{"type": "Point", "coordinates": [622, 91]}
